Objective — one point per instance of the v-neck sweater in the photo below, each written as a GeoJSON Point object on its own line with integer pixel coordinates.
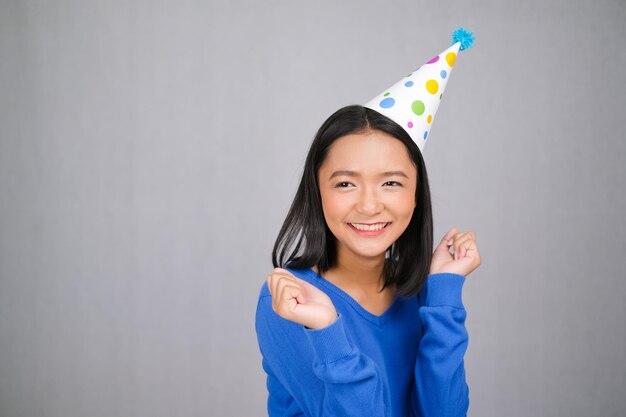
{"type": "Point", "coordinates": [406, 362]}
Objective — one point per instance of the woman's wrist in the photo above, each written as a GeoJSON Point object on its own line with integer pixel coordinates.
{"type": "Point", "coordinates": [324, 322]}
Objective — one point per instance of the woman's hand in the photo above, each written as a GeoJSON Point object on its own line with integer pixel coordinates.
{"type": "Point", "coordinates": [466, 256]}
{"type": "Point", "coordinates": [298, 301]}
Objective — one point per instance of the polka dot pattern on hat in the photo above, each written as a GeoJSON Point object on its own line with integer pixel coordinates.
{"type": "Point", "coordinates": [432, 86]}
{"type": "Point", "coordinates": [450, 58]}
{"type": "Point", "coordinates": [418, 107]}
{"type": "Point", "coordinates": [414, 100]}
{"type": "Point", "coordinates": [387, 103]}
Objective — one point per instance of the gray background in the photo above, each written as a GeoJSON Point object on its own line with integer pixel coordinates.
{"type": "Point", "coordinates": [149, 152]}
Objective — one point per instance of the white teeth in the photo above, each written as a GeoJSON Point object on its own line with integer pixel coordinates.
{"type": "Point", "coordinates": [369, 227]}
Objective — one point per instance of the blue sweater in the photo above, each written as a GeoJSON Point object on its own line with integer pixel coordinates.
{"type": "Point", "coordinates": [406, 362]}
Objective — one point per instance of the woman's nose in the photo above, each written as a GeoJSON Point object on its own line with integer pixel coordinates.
{"type": "Point", "coordinates": [370, 203]}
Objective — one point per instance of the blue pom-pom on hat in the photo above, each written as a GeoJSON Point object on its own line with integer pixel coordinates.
{"type": "Point", "coordinates": [464, 36]}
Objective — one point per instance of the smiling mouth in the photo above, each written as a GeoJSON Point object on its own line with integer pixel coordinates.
{"type": "Point", "coordinates": [364, 227]}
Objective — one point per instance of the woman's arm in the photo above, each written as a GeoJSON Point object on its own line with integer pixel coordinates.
{"type": "Point", "coordinates": [440, 386]}
{"type": "Point", "coordinates": [279, 401]}
{"type": "Point", "coordinates": [317, 368]}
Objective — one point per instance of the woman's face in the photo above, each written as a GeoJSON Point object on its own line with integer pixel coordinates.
{"type": "Point", "coordinates": [367, 185]}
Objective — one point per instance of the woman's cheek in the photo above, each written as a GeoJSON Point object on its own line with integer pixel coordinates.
{"type": "Point", "coordinates": [335, 206]}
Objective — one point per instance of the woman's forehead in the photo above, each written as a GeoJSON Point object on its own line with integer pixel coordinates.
{"type": "Point", "coordinates": [368, 152]}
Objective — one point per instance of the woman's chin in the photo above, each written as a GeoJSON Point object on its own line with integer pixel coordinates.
{"type": "Point", "coordinates": [370, 253]}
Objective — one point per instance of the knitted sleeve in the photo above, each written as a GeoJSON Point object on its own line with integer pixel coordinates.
{"type": "Point", "coordinates": [353, 385]}
{"type": "Point", "coordinates": [440, 387]}
{"type": "Point", "coordinates": [279, 402]}
{"type": "Point", "coordinates": [321, 365]}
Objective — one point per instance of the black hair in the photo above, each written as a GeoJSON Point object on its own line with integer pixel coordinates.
{"type": "Point", "coordinates": [305, 240]}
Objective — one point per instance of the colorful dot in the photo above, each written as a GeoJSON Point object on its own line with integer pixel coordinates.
{"type": "Point", "coordinates": [432, 86]}
{"type": "Point", "coordinates": [387, 103]}
{"type": "Point", "coordinates": [386, 94]}
{"type": "Point", "coordinates": [408, 84]}
{"type": "Point", "coordinates": [443, 74]}
{"type": "Point", "coordinates": [410, 124]}
{"type": "Point", "coordinates": [425, 135]}
{"type": "Point", "coordinates": [451, 57]}
{"type": "Point", "coordinates": [430, 118]}
{"type": "Point", "coordinates": [435, 59]}
{"type": "Point", "coordinates": [418, 107]}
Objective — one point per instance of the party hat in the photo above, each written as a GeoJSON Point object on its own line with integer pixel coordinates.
{"type": "Point", "coordinates": [413, 101]}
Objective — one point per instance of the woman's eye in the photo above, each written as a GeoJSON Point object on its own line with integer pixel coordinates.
{"type": "Point", "coordinates": [393, 184]}
{"type": "Point", "coordinates": [344, 184]}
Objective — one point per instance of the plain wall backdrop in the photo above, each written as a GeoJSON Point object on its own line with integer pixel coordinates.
{"type": "Point", "coordinates": [149, 152]}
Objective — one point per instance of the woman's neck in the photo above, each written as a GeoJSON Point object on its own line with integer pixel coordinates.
{"type": "Point", "coordinates": [358, 272]}
{"type": "Point", "coordinates": [363, 280]}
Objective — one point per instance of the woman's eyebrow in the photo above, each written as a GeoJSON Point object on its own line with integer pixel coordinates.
{"type": "Point", "coordinates": [346, 173]}
{"type": "Point", "coordinates": [343, 173]}
{"type": "Point", "coordinates": [394, 174]}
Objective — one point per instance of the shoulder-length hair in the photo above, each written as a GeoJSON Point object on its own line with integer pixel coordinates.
{"type": "Point", "coordinates": [305, 240]}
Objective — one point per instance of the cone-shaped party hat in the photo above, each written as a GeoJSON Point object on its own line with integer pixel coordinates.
{"type": "Point", "coordinates": [413, 101]}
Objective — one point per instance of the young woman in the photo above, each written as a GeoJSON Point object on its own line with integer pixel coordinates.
{"type": "Point", "coordinates": [361, 317]}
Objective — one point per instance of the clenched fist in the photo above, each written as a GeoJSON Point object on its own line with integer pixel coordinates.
{"type": "Point", "coordinates": [298, 301]}
{"type": "Point", "coordinates": [465, 259]}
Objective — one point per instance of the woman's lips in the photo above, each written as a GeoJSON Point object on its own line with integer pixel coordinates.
{"type": "Point", "coordinates": [369, 229]}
